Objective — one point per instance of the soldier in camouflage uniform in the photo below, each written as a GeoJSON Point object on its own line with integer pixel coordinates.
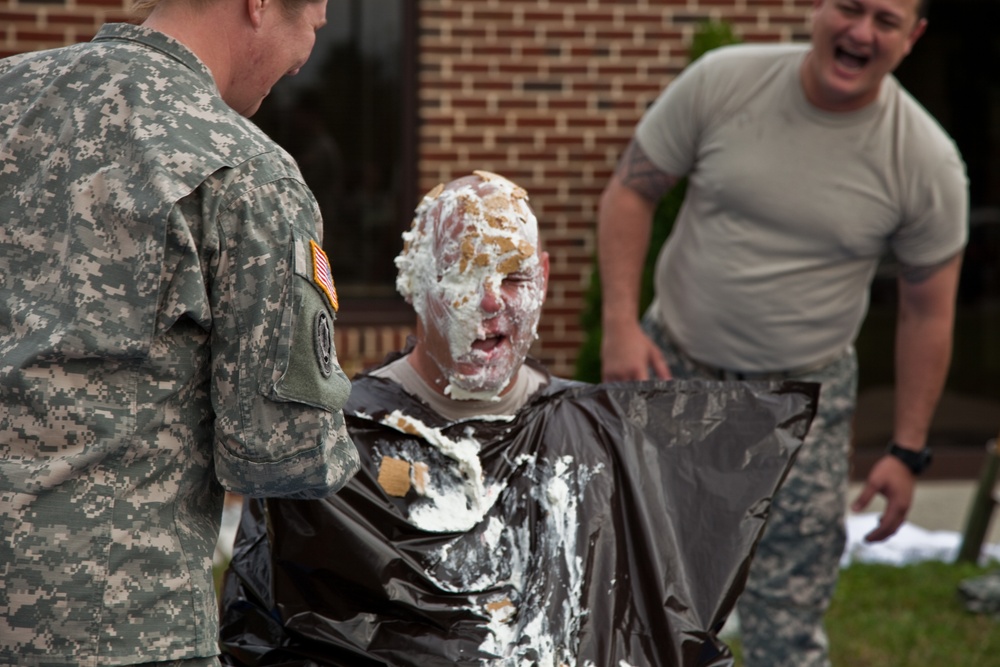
{"type": "Point", "coordinates": [166, 324]}
{"type": "Point", "coordinates": [806, 163]}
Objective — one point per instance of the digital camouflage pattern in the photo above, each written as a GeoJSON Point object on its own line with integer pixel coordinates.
{"type": "Point", "coordinates": [162, 329]}
{"type": "Point", "coordinates": [794, 571]}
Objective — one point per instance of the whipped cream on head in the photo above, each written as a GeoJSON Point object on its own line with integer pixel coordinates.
{"type": "Point", "coordinates": [472, 270]}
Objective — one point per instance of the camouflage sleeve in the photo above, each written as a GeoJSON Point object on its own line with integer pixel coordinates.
{"type": "Point", "coordinates": [277, 387]}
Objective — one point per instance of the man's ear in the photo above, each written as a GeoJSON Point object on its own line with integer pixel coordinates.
{"type": "Point", "coordinates": [915, 34]}
{"type": "Point", "coordinates": [543, 258]}
{"type": "Point", "coordinates": [255, 12]}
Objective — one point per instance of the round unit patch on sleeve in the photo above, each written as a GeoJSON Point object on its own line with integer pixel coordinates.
{"type": "Point", "coordinates": [322, 276]}
{"type": "Point", "coordinates": [323, 343]}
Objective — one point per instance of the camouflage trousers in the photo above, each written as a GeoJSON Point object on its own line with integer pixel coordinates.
{"type": "Point", "coordinates": [795, 569]}
{"type": "Point", "coordinates": [192, 662]}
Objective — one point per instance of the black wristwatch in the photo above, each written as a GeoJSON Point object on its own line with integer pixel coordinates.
{"type": "Point", "coordinates": [917, 462]}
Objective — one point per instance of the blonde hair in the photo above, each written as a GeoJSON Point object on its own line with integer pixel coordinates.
{"type": "Point", "coordinates": [141, 9]}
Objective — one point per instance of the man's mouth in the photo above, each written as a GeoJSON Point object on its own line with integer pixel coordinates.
{"type": "Point", "coordinates": [850, 60]}
{"type": "Point", "coordinates": [489, 343]}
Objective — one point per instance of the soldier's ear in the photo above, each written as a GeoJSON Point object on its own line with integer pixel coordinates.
{"type": "Point", "coordinates": [255, 11]}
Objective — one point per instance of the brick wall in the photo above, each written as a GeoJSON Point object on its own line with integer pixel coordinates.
{"type": "Point", "coordinates": [546, 92]}
{"type": "Point", "coordinates": [32, 26]}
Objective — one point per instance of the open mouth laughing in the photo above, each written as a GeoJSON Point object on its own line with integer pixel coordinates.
{"type": "Point", "coordinates": [851, 60]}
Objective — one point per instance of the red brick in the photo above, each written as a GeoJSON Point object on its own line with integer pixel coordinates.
{"type": "Point", "coordinates": [477, 104]}
{"type": "Point", "coordinates": [497, 84]}
{"type": "Point", "coordinates": [70, 19]}
{"type": "Point", "coordinates": [481, 50]}
{"type": "Point", "coordinates": [35, 35]}
{"type": "Point", "coordinates": [761, 36]}
{"type": "Point", "coordinates": [651, 51]}
{"type": "Point", "coordinates": [787, 19]}
{"type": "Point", "coordinates": [598, 86]}
{"type": "Point", "coordinates": [513, 32]}
{"type": "Point", "coordinates": [568, 69]}
{"type": "Point", "coordinates": [471, 31]}
{"type": "Point", "coordinates": [487, 156]}
{"type": "Point", "coordinates": [466, 67]}
{"type": "Point", "coordinates": [26, 16]}
{"type": "Point", "coordinates": [535, 16]}
{"type": "Point", "coordinates": [439, 49]}
{"type": "Point", "coordinates": [513, 67]}
{"type": "Point", "coordinates": [509, 103]}
{"type": "Point", "coordinates": [532, 121]}
{"type": "Point", "coordinates": [489, 15]}
{"type": "Point", "coordinates": [430, 13]}
{"type": "Point", "coordinates": [568, 103]}
{"type": "Point", "coordinates": [610, 34]}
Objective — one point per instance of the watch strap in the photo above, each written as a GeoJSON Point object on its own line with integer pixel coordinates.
{"type": "Point", "coordinates": [916, 461]}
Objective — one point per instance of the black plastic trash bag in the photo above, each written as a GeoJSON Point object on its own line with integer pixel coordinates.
{"type": "Point", "coordinates": [604, 526]}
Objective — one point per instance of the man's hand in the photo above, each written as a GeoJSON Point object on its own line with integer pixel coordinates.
{"type": "Point", "coordinates": [892, 479]}
{"type": "Point", "coordinates": [627, 353]}
{"type": "Point", "coordinates": [624, 221]}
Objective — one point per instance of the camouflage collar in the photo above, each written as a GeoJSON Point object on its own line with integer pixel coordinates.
{"type": "Point", "coordinates": [159, 41]}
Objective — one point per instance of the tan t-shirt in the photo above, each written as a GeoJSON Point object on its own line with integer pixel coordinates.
{"type": "Point", "coordinates": [527, 382]}
{"type": "Point", "coordinates": [789, 208]}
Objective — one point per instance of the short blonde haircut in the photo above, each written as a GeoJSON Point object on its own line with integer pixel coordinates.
{"type": "Point", "coordinates": [140, 9]}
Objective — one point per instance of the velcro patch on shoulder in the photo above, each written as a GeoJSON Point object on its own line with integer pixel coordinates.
{"type": "Point", "coordinates": [321, 274]}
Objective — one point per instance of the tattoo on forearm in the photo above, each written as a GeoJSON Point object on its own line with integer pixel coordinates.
{"type": "Point", "coordinates": [638, 173]}
{"type": "Point", "coordinates": [915, 275]}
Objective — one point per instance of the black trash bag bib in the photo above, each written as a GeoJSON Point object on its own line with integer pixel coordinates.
{"type": "Point", "coordinates": [605, 525]}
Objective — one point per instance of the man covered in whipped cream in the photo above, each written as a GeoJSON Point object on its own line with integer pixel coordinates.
{"type": "Point", "coordinates": [502, 516]}
{"type": "Point", "coordinates": [473, 271]}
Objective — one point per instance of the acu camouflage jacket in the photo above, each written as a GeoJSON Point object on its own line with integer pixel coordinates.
{"type": "Point", "coordinates": [166, 324]}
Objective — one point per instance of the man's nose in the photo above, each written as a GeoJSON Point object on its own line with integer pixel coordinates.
{"type": "Point", "coordinates": [491, 301]}
{"type": "Point", "coordinates": [863, 29]}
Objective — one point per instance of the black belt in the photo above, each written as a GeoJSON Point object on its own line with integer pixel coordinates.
{"type": "Point", "coordinates": [750, 376]}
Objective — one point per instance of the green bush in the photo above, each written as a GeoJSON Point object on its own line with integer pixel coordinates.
{"type": "Point", "coordinates": [709, 35]}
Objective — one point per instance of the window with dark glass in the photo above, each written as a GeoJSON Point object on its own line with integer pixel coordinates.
{"type": "Point", "coordinates": [345, 118]}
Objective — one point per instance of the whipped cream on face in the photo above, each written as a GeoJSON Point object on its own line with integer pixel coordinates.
{"type": "Point", "coordinates": [470, 267]}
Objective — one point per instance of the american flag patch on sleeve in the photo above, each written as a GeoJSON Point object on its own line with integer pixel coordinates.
{"type": "Point", "coordinates": [322, 275]}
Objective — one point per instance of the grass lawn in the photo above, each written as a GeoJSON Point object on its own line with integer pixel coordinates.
{"type": "Point", "coordinates": [887, 616]}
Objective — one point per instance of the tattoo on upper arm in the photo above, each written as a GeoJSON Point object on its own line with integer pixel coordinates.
{"type": "Point", "coordinates": [638, 173]}
{"type": "Point", "coordinates": [915, 275]}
